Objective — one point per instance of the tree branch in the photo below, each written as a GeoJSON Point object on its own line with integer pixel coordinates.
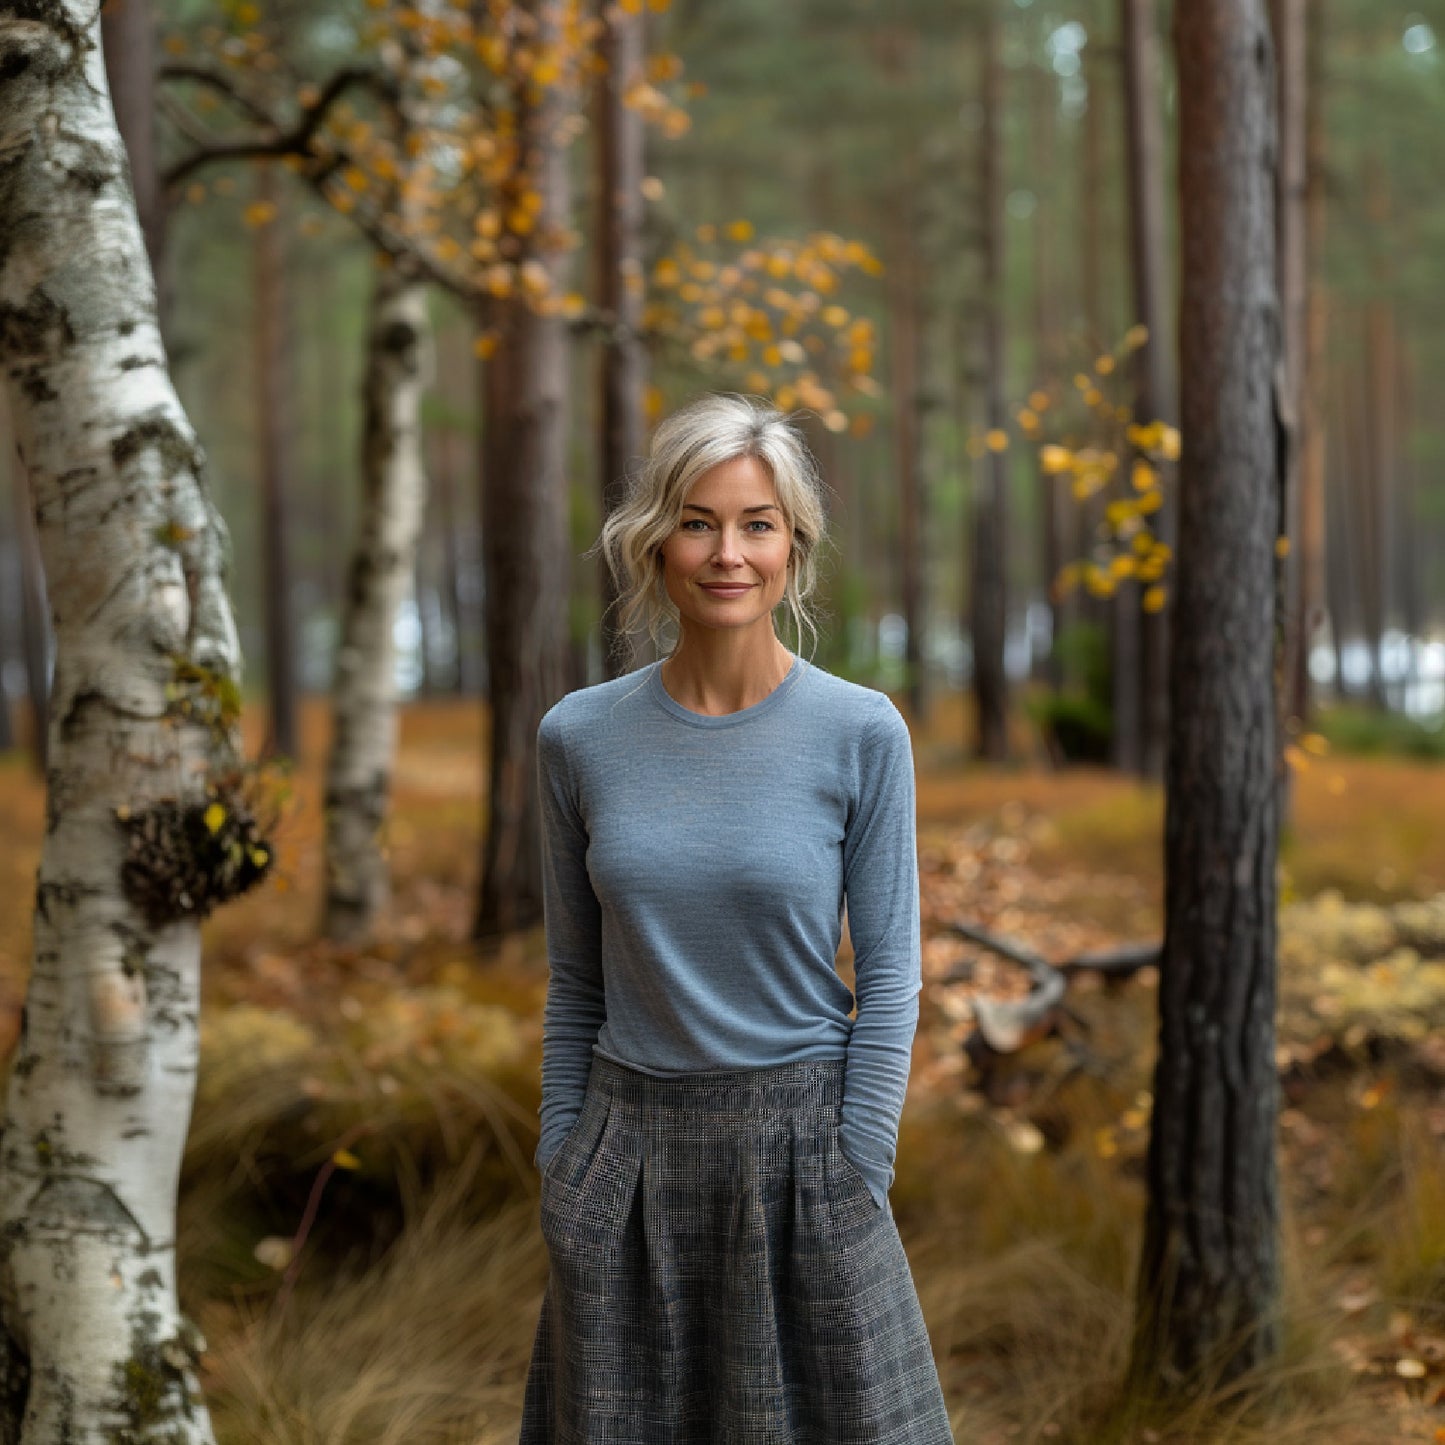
{"type": "Point", "coordinates": [273, 140]}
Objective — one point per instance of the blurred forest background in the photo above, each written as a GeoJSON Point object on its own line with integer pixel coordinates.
{"type": "Point", "coordinates": [917, 224]}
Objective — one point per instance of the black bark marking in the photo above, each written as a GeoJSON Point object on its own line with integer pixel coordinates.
{"type": "Point", "coordinates": [29, 329]}
{"type": "Point", "coordinates": [158, 432]}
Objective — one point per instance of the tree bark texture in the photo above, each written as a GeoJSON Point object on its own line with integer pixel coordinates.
{"type": "Point", "coordinates": [621, 289]}
{"type": "Point", "coordinates": [93, 1347]}
{"type": "Point", "coordinates": [363, 746]}
{"type": "Point", "coordinates": [989, 571]}
{"type": "Point", "coordinates": [1209, 1271]}
{"type": "Point", "coordinates": [524, 512]}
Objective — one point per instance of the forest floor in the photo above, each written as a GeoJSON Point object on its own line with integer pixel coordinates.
{"type": "Point", "coordinates": [388, 1096]}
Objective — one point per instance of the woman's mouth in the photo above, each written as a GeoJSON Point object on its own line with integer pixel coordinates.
{"type": "Point", "coordinates": [721, 589]}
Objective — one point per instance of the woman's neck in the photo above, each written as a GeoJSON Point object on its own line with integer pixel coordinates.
{"type": "Point", "coordinates": [724, 673]}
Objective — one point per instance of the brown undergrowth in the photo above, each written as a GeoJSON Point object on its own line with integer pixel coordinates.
{"type": "Point", "coordinates": [358, 1220]}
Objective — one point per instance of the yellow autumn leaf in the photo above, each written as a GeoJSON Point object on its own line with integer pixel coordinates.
{"type": "Point", "coordinates": [1135, 337]}
{"type": "Point", "coordinates": [213, 817]}
{"type": "Point", "coordinates": [1169, 442]}
{"type": "Point", "coordinates": [259, 213]}
{"type": "Point", "coordinates": [1104, 365]}
{"type": "Point", "coordinates": [740, 231]}
{"type": "Point", "coordinates": [1055, 459]}
{"type": "Point", "coordinates": [1153, 600]}
{"type": "Point", "coordinates": [1143, 476]}
{"type": "Point", "coordinates": [345, 1159]}
{"type": "Point", "coordinates": [1281, 546]}
{"type": "Point", "coordinates": [1315, 743]}
{"type": "Point", "coordinates": [1027, 418]}
{"type": "Point", "coordinates": [1039, 400]}
{"type": "Point", "coordinates": [996, 440]}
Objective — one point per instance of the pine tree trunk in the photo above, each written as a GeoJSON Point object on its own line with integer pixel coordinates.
{"type": "Point", "coordinates": [989, 572]}
{"type": "Point", "coordinates": [93, 1347]}
{"type": "Point", "coordinates": [1043, 147]}
{"type": "Point", "coordinates": [620, 142]}
{"type": "Point", "coordinates": [1289, 29]}
{"type": "Point", "coordinates": [524, 526]}
{"type": "Point", "coordinates": [358, 780]}
{"type": "Point", "coordinates": [277, 466]}
{"type": "Point", "coordinates": [1209, 1274]}
{"type": "Point", "coordinates": [905, 329]}
{"type": "Point", "coordinates": [1155, 380]}
{"type": "Point", "coordinates": [1310, 596]}
{"type": "Point", "coordinates": [129, 41]}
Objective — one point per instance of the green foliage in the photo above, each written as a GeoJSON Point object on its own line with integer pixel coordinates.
{"type": "Point", "coordinates": [1351, 728]}
{"type": "Point", "coordinates": [1079, 720]}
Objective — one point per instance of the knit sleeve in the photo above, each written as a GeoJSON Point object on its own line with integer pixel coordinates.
{"type": "Point", "coordinates": [880, 879]}
{"type": "Point", "coordinates": [575, 1007]}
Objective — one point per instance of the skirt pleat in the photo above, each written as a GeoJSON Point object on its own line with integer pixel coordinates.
{"type": "Point", "coordinates": [720, 1274]}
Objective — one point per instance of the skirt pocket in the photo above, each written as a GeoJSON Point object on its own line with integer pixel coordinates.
{"type": "Point", "coordinates": [849, 1197]}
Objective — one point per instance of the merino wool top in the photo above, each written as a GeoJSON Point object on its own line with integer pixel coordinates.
{"type": "Point", "coordinates": [695, 873]}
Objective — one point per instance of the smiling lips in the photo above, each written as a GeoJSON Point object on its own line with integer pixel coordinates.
{"type": "Point", "coordinates": [727, 589]}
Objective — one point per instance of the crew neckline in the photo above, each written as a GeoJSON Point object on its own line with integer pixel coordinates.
{"type": "Point", "coordinates": [668, 703]}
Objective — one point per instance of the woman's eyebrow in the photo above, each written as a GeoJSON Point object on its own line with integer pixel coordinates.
{"type": "Point", "coordinates": [693, 506]}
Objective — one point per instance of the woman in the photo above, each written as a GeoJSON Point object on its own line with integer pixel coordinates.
{"type": "Point", "coordinates": [717, 1133]}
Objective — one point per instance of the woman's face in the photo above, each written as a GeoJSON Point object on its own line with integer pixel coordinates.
{"type": "Point", "coordinates": [732, 531]}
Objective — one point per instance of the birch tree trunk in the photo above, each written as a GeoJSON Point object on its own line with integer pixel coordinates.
{"type": "Point", "coordinates": [93, 1347]}
{"type": "Point", "coordinates": [358, 781]}
{"type": "Point", "coordinates": [1209, 1274]}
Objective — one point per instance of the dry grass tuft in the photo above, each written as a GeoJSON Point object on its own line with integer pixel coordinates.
{"type": "Point", "coordinates": [424, 1346]}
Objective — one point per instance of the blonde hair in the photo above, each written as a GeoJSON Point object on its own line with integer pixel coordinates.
{"type": "Point", "coordinates": [713, 429]}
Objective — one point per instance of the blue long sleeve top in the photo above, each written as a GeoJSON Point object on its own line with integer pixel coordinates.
{"type": "Point", "coordinates": [695, 873]}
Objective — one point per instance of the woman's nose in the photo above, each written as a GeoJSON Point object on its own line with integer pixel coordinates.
{"type": "Point", "coordinates": [728, 550]}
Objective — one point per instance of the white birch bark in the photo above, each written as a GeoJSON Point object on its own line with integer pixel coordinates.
{"type": "Point", "coordinates": [358, 782]}
{"type": "Point", "coordinates": [92, 1343]}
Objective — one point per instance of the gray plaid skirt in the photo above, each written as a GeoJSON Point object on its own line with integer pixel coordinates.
{"type": "Point", "coordinates": [721, 1274]}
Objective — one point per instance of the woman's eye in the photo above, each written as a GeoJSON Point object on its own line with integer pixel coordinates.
{"type": "Point", "coordinates": [687, 525]}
